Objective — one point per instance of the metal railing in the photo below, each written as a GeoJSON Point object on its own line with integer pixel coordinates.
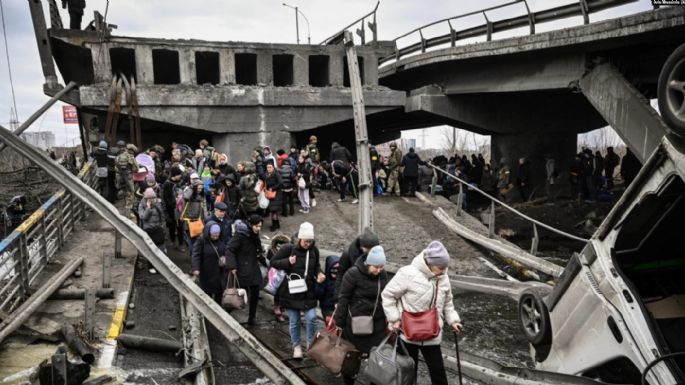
{"type": "Point", "coordinates": [491, 214]}
{"type": "Point", "coordinates": [580, 8]}
{"type": "Point", "coordinates": [31, 246]}
{"type": "Point", "coordinates": [339, 36]}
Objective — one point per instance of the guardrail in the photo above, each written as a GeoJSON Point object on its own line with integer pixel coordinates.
{"type": "Point", "coordinates": [339, 36]}
{"type": "Point", "coordinates": [30, 247]}
{"type": "Point", "coordinates": [491, 215]}
{"type": "Point", "coordinates": [580, 8]}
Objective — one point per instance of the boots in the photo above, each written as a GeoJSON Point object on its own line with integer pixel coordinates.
{"type": "Point", "coordinates": [275, 225]}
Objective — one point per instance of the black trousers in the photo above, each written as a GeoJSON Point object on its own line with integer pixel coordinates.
{"type": "Point", "coordinates": [253, 296]}
{"type": "Point", "coordinates": [75, 20]}
{"type": "Point", "coordinates": [432, 355]}
{"type": "Point", "coordinates": [412, 183]}
{"type": "Point", "coordinates": [287, 203]}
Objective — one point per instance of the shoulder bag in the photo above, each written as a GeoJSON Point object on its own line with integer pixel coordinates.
{"type": "Point", "coordinates": [386, 367]}
{"type": "Point", "coordinates": [233, 297]}
{"type": "Point", "coordinates": [299, 284]}
{"type": "Point", "coordinates": [270, 194]}
{"type": "Point", "coordinates": [195, 226]}
{"type": "Point", "coordinates": [423, 325]}
{"type": "Point", "coordinates": [362, 325]}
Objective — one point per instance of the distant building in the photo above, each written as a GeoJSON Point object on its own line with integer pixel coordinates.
{"type": "Point", "coordinates": [40, 139]}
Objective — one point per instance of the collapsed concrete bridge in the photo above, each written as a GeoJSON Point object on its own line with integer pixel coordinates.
{"type": "Point", "coordinates": [533, 94]}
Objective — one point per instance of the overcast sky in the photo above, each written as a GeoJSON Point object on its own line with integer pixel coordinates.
{"type": "Point", "coordinates": [237, 20]}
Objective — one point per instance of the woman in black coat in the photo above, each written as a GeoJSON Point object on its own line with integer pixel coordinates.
{"type": "Point", "coordinates": [244, 253]}
{"type": "Point", "coordinates": [206, 254]}
{"type": "Point", "coordinates": [273, 184]}
{"type": "Point", "coordinates": [294, 259]}
{"type": "Point", "coordinates": [360, 295]}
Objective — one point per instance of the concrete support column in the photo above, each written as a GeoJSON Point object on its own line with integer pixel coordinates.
{"type": "Point", "coordinates": [186, 64]}
{"type": "Point", "coordinates": [562, 146]}
{"type": "Point", "coordinates": [227, 66]}
{"type": "Point", "coordinates": [371, 70]}
{"type": "Point", "coordinates": [102, 66]}
{"type": "Point", "coordinates": [265, 68]}
{"type": "Point", "coordinates": [335, 70]}
{"type": "Point", "coordinates": [144, 70]}
{"type": "Point", "coordinates": [301, 70]}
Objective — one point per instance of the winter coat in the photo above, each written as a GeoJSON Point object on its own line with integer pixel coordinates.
{"type": "Point", "coordinates": [246, 186]}
{"type": "Point", "coordinates": [411, 163]}
{"type": "Point", "coordinates": [230, 196]}
{"type": "Point", "coordinates": [226, 227]}
{"type": "Point", "coordinates": [300, 301]}
{"type": "Point", "coordinates": [412, 289]}
{"type": "Point", "coordinates": [244, 253]}
{"type": "Point", "coordinates": [341, 153]}
{"type": "Point", "coordinates": [151, 217]}
{"type": "Point", "coordinates": [193, 204]}
{"type": "Point", "coordinates": [273, 182]}
{"type": "Point", "coordinates": [359, 294]}
{"type": "Point", "coordinates": [100, 156]}
{"type": "Point", "coordinates": [287, 176]}
{"type": "Point", "coordinates": [523, 174]}
{"type": "Point", "coordinates": [259, 167]}
{"type": "Point", "coordinates": [348, 258]}
{"type": "Point", "coordinates": [227, 169]}
{"type": "Point", "coordinates": [325, 292]}
{"type": "Point", "coordinates": [205, 259]}
{"type": "Point", "coordinates": [375, 159]}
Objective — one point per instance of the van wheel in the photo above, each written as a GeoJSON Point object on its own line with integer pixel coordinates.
{"type": "Point", "coordinates": [671, 91]}
{"type": "Point", "coordinates": [534, 318]}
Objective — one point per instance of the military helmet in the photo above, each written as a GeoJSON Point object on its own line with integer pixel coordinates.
{"type": "Point", "coordinates": [393, 145]}
{"type": "Point", "coordinates": [132, 147]}
{"type": "Point", "coordinates": [313, 138]}
{"type": "Point", "coordinates": [102, 145]}
{"type": "Point", "coordinates": [121, 144]}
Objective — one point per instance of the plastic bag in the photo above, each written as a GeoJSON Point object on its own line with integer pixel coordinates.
{"type": "Point", "coordinates": [263, 200]}
{"type": "Point", "coordinates": [275, 277]}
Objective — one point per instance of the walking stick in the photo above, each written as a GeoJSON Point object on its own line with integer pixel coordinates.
{"type": "Point", "coordinates": [456, 346]}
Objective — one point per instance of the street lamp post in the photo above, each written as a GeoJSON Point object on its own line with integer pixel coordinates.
{"type": "Point", "coordinates": [297, 23]}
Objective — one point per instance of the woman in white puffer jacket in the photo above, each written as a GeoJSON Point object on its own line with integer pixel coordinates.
{"type": "Point", "coordinates": [412, 289]}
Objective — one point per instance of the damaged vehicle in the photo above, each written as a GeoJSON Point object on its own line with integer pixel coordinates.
{"type": "Point", "coordinates": [617, 313]}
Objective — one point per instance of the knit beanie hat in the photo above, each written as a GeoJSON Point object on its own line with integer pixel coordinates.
{"type": "Point", "coordinates": [149, 193]}
{"type": "Point", "coordinates": [376, 256]}
{"type": "Point", "coordinates": [306, 231]}
{"type": "Point", "coordinates": [368, 238]}
{"type": "Point", "coordinates": [214, 229]}
{"type": "Point", "coordinates": [150, 178]}
{"type": "Point", "coordinates": [436, 254]}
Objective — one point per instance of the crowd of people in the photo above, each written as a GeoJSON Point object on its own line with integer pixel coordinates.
{"type": "Point", "coordinates": [202, 204]}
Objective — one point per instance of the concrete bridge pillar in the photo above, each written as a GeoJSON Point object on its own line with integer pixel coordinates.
{"type": "Point", "coordinates": [534, 146]}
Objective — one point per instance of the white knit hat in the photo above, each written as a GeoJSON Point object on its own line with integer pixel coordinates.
{"type": "Point", "coordinates": [306, 231]}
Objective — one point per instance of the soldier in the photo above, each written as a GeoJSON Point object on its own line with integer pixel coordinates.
{"type": "Point", "coordinates": [394, 163]}
{"type": "Point", "coordinates": [126, 165]}
{"type": "Point", "coordinates": [75, 8]}
{"type": "Point", "coordinates": [313, 150]}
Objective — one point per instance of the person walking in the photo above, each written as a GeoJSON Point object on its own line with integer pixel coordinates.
{"type": "Point", "coordinates": [523, 179]}
{"type": "Point", "coordinates": [394, 164]}
{"type": "Point", "coordinates": [126, 165]}
{"type": "Point", "coordinates": [220, 216]}
{"type": "Point", "coordinates": [248, 201]}
{"type": "Point", "coordinates": [208, 261]}
{"type": "Point", "coordinates": [360, 295]}
{"type": "Point", "coordinates": [610, 162]}
{"type": "Point", "coordinates": [287, 183]}
{"type": "Point", "coordinates": [417, 288]}
{"type": "Point", "coordinates": [411, 163]}
{"type": "Point", "coordinates": [193, 209]}
{"type": "Point", "coordinates": [273, 191]}
{"type": "Point", "coordinates": [151, 216]}
{"type": "Point", "coordinates": [278, 241]}
{"type": "Point", "coordinates": [229, 194]}
{"type": "Point", "coordinates": [244, 254]}
{"type": "Point", "coordinates": [303, 184]}
{"type": "Point", "coordinates": [300, 261]}
{"type": "Point", "coordinates": [75, 8]}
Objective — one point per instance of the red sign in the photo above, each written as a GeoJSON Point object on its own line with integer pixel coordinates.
{"type": "Point", "coordinates": [70, 115]}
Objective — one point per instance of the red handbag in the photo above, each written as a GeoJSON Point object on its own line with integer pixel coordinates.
{"type": "Point", "coordinates": [422, 325]}
{"type": "Point", "coordinates": [270, 194]}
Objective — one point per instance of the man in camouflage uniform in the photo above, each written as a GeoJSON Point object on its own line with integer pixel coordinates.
{"type": "Point", "coordinates": [126, 165]}
{"type": "Point", "coordinates": [394, 163]}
